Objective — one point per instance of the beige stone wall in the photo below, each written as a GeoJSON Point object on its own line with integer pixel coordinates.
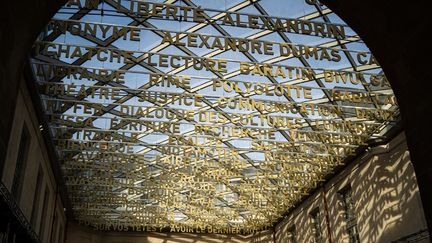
{"type": "Point", "coordinates": [385, 192]}
{"type": "Point", "coordinates": [37, 159]}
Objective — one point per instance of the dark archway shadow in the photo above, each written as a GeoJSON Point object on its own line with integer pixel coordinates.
{"type": "Point", "coordinates": [396, 34]}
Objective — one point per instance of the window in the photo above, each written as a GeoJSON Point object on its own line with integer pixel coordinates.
{"type": "Point", "coordinates": [54, 227]}
{"type": "Point", "coordinates": [44, 217]}
{"type": "Point", "coordinates": [36, 198]}
{"type": "Point", "coordinates": [291, 233]}
{"type": "Point", "coordinates": [60, 235]}
{"type": "Point", "coordinates": [350, 217]}
{"type": "Point", "coordinates": [23, 149]}
{"type": "Point", "coordinates": [316, 225]}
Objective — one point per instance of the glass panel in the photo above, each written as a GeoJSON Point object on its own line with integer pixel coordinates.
{"type": "Point", "coordinates": [203, 114]}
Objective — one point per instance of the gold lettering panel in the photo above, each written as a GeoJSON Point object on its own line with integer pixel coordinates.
{"type": "Point", "coordinates": [191, 119]}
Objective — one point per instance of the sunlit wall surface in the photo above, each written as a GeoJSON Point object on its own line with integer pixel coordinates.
{"type": "Point", "coordinates": [211, 116]}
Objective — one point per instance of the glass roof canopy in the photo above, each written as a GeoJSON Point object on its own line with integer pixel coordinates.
{"type": "Point", "coordinates": [211, 115]}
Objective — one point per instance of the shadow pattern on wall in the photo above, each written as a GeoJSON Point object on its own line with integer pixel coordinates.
{"type": "Point", "coordinates": [387, 203]}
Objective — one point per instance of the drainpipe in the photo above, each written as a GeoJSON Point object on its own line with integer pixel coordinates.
{"type": "Point", "coordinates": [326, 212]}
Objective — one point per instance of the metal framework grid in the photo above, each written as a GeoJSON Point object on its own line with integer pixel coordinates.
{"type": "Point", "coordinates": [148, 189]}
